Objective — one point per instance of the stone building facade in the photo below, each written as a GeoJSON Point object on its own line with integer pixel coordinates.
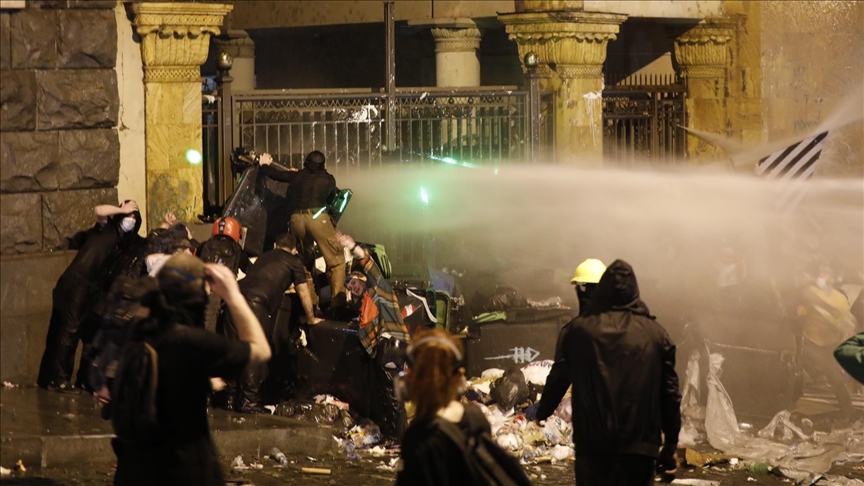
{"type": "Point", "coordinates": [60, 156]}
{"type": "Point", "coordinates": [100, 101]}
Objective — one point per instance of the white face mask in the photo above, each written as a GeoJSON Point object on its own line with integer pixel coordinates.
{"type": "Point", "coordinates": [128, 224]}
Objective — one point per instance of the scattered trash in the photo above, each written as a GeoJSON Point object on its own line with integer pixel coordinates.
{"type": "Point", "coordinates": [782, 428]}
{"type": "Point", "coordinates": [256, 465]}
{"type": "Point", "coordinates": [363, 436]}
{"type": "Point", "coordinates": [278, 456]}
{"type": "Point", "coordinates": [328, 399]}
{"type": "Point", "coordinates": [4, 471]}
{"type": "Point", "coordinates": [537, 372]}
{"type": "Point", "coordinates": [19, 466]}
{"type": "Point", "coordinates": [329, 413]}
{"type": "Point", "coordinates": [695, 482]}
{"type": "Point", "coordinates": [751, 480]}
{"type": "Point", "coordinates": [315, 470]}
{"type": "Point", "coordinates": [510, 390]}
{"type": "Point", "coordinates": [238, 465]}
{"type": "Point", "coordinates": [562, 453]}
{"type": "Point", "coordinates": [311, 459]}
{"type": "Point", "coordinates": [9, 384]}
{"type": "Point", "coordinates": [272, 408]}
{"type": "Point", "coordinates": [759, 468]}
{"type": "Point", "coordinates": [238, 420]}
{"type": "Point", "coordinates": [391, 466]}
{"type": "Point", "coordinates": [699, 459]}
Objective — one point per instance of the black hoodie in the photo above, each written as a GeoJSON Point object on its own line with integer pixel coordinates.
{"type": "Point", "coordinates": [621, 364]}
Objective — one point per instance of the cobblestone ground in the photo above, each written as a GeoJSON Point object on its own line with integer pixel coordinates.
{"type": "Point", "coordinates": [372, 472]}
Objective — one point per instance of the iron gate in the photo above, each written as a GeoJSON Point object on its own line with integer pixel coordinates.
{"type": "Point", "coordinates": [642, 116]}
{"type": "Point", "coordinates": [476, 127]}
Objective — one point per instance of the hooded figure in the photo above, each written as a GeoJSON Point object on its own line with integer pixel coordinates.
{"type": "Point", "coordinates": [621, 364]}
{"type": "Point", "coordinates": [78, 291]}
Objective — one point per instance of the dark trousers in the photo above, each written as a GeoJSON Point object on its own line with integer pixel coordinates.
{"type": "Point", "coordinates": [384, 409]}
{"type": "Point", "coordinates": [245, 389]}
{"type": "Point", "coordinates": [614, 470]}
{"type": "Point", "coordinates": [72, 319]}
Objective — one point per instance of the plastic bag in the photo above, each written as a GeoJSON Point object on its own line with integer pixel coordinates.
{"type": "Point", "coordinates": [782, 428]}
{"type": "Point", "coordinates": [510, 390]}
{"type": "Point", "coordinates": [537, 372]}
{"type": "Point", "coordinates": [721, 424]}
{"type": "Point", "coordinates": [495, 298]}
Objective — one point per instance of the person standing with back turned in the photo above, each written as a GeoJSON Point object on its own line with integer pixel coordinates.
{"type": "Point", "coordinates": [621, 364]}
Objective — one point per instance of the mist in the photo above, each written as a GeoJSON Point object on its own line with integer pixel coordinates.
{"type": "Point", "coordinates": [531, 225]}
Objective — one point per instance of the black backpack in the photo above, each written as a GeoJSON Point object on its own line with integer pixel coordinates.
{"type": "Point", "coordinates": [133, 396]}
{"type": "Point", "coordinates": [488, 463]}
{"type": "Point", "coordinates": [223, 250]}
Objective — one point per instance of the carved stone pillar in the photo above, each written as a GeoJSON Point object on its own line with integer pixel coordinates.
{"type": "Point", "coordinates": [702, 55]}
{"type": "Point", "coordinates": [174, 44]}
{"type": "Point", "coordinates": [572, 48]}
{"type": "Point", "coordinates": [241, 48]}
{"type": "Point", "coordinates": [456, 62]}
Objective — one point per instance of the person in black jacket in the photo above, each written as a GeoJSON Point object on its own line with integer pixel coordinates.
{"type": "Point", "coordinates": [309, 193]}
{"type": "Point", "coordinates": [621, 364]}
{"type": "Point", "coordinates": [263, 287]}
{"type": "Point", "coordinates": [76, 294]}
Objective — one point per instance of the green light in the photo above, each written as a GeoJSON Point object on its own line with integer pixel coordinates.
{"type": "Point", "coordinates": [448, 160]}
{"type": "Point", "coordinates": [193, 156]}
{"type": "Point", "coordinates": [342, 206]}
{"type": "Point", "coordinates": [424, 196]}
{"type": "Point", "coordinates": [319, 212]}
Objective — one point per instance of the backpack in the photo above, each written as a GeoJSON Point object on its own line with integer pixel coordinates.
{"type": "Point", "coordinates": [223, 250]}
{"type": "Point", "coordinates": [488, 463]}
{"type": "Point", "coordinates": [133, 404]}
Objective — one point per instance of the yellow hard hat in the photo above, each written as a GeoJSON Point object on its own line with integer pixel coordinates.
{"type": "Point", "coordinates": [589, 271]}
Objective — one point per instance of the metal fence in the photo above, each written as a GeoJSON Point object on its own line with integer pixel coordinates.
{"type": "Point", "coordinates": [642, 116]}
{"type": "Point", "coordinates": [482, 127]}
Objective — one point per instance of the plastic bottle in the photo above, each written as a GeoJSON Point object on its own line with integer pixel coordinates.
{"type": "Point", "coordinates": [759, 468]}
{"type": "Point", "coordinates": [278, 456]}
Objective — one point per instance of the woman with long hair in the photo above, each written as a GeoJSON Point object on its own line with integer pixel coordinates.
{"type": "Point", "coordinates": [440, 444]}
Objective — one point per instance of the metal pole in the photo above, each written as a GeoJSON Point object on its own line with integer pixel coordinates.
{"type": "Point", "coordinates": [532, 82]}
{"type": "Point", "coordinates": [225, 131]}
{"type": "Point", "coordinates": [390, 41]}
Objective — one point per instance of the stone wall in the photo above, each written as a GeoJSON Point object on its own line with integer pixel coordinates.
{"type": "Point", "coordinates": [59, 155]}
{"type": "Point", "coordinates": [811, 60]}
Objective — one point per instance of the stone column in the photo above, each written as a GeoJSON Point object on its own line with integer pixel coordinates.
{"type": "Point", "coordinates": [572, 49]}
{"type": "Point", "coordinates": [175, 40]}
{"type": "Point", "coordinates": [241, 48]}
{"type": "Point", "coordinates": [456, 62]}
{"type": "Point", "coordinates": [702, 56]}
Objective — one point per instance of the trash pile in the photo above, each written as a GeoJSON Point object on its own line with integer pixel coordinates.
{"type": "Point", "coordinates": [503, 397]}
{"type": "Point", "coordinates": [783, 447]}
{"type": "Point", "coordinates": [323, 410]}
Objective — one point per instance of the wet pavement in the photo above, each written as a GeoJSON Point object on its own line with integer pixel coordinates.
{"type": "Point", "coordinates": [61, 440]}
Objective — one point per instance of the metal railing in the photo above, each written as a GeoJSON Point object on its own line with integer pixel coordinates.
{"type": "Point", "coordinates": [211, 154]}
{"type": "Point", "coordinates": [480, 126]}
{"type": "Point", "coordinates": [642, 116]}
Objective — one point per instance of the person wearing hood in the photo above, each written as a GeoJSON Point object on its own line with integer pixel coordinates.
{"type": "Point", "coordinates": [621, 364]}
{"type": "Point", "coordinates": [310, 191]}
{"type": "Point", "coordinates": [78, 290]}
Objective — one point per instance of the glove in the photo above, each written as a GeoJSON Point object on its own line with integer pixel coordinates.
{"type": "Point", "coordinates": [531, 412]}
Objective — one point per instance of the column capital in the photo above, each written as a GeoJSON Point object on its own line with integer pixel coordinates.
{"type": "Point", "coordinates": [456, 39]}
{"type": "Point", "coordinates": [703, 51]}
{"type": "Point", "coordinates": [236, 43]}
{"type": "Point", "coordinates": [572, 43]}
{"type": "Point", "coordinates": [175, 38]}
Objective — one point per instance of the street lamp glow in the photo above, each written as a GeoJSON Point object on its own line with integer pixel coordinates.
{"type": "Point", "coordinates": [424, 196]}
{"type": "Point", "coordinates": [193, 156]}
